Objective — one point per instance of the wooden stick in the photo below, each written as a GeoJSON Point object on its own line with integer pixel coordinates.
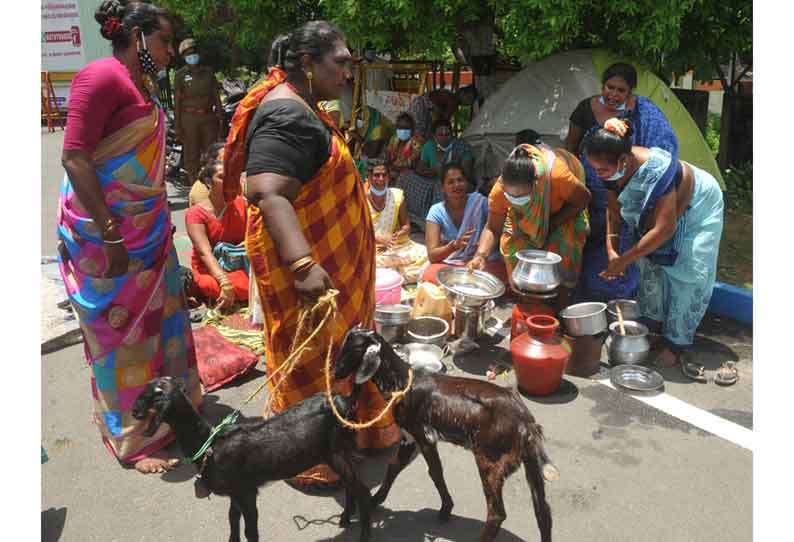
{"type": "Point", "coordinates": [620, 319]}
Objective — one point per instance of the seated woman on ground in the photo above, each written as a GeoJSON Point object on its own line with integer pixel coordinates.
{"type": "Point", "coordinates": [539, 202]}
{"type": "Point", "coordinates": [454, 226]}
{"type": "Point", "coordinates": [422, 188]}
{"type": "Point", "coordinates": [217, 231]}
{"type": "Point", "coordinates": [404, 148]}
{"type": "Point", "coordinates": [395, 249]}
{"type": "Point", "coordinates": [200, 191]}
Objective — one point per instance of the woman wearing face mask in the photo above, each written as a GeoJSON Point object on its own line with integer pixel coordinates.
{"type": "Point", "coordinates": [539, 202]}
{"type": "Point", "coordinates": [309, 226]}
{"type": "Point", "coordinates": [423, 188]}
{"type": "Point", "coordinates": [650, 128]}
{"type": "Point", "coordinates": [198, 113]}
{"type": "Point", "coordinates": [116, 252]}
{"type": "Point", "coordinates": [454, 227]}
{"type": "Point", "coordinates": [392, 228]}
{"type": "Point", "coordinates": [674, 214]}
{"type": "Point", "coordinates": [404, 148]}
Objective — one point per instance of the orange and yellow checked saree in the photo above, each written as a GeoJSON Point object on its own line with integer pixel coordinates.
{"type": "Point", "coordinates": [334, 215]}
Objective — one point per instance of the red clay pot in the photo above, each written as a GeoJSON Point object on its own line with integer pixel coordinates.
{"type": "Point", "coordinates": [540, 356]}
{"type": "Point", "coordinates": [522, 311]}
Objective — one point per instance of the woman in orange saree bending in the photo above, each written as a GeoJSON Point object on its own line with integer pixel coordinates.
{"type": "Point", "coordinates": [309, 227]}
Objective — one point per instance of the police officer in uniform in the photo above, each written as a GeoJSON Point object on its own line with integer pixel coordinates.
{"type": "Point", "coordinates": [198, 114]}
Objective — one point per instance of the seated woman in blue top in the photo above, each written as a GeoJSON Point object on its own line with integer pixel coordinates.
{"type": "Point", "coordinates": [453, 227]}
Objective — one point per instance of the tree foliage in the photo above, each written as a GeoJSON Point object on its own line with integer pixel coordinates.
{"type": "Point", "coordinates": [671, 35]}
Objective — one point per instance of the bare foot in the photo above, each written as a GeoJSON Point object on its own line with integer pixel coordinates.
{"type": "Point", "coordinates": [666, 359]}
{"type": "Point", "coordinates": [156, 464]}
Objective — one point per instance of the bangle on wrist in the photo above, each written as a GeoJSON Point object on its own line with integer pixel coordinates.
{"type": "Point", "coordinates": [301, 264]}
{"type": "Point", "coordinates": [613, 235]}
{"type": "Point", "coordinates": [118, 241]}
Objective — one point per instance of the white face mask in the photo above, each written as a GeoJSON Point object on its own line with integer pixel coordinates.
{"type": "Point", "coordinates": [359, 123]}
{"type": "Point", "coordinates": [403, 134]}
{"type": "Point", "coordinates": [518, 201]}
{"type": "Point", "coordinates": [192, 59]}
{"type": "Point", "coordinates": [621, 107]}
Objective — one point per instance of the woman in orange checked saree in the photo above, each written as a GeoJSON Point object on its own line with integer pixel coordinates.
{"type": "Point", "coordinates": [309, 226]}
{"type": "Point", "coordinates": [116, 254]}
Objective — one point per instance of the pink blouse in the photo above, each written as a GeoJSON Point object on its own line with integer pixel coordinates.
{"type": "Point", "coordinates": [102, 99]}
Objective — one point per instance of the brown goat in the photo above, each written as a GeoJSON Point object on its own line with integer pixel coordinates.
{"type": "Point", "coordinates": [491, 421]}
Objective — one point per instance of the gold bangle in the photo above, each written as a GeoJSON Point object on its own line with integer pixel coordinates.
{"type": "Point", "coordinates": [301, 262]}
{"type": "Point", "coordinates": [613, 235]}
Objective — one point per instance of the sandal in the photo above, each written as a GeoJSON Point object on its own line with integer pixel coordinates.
{"type": "Point", "coordinates": [727, 374]}
{"type": "Point", "coordinates": [693, 370]}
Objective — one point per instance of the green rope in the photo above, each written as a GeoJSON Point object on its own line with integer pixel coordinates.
{"type": "Point", "coordinates": [228, 420]}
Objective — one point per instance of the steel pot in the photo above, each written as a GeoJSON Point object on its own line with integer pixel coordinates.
{"type": "Point", "coordinates": [628, 307]}
{"type": "Point", "coordinates": [428, 330]}
{"type": "Point", "coordinates": [585, 319]}
{"type": "Point", "coordinates": [391, 321]}
{"type": "Point", "coordinates": [537, 271]}
{"type": "Point", "coordinates": [466, 288]}
{"type": "Point", "coordinates": [633, 347]}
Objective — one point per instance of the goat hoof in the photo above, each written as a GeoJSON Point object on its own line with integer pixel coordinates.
{"type": "Point", "coordinates": [377, 499]}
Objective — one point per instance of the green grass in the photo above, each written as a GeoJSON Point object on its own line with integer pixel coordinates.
{"type": "Point", "coordinates": [735, 264]}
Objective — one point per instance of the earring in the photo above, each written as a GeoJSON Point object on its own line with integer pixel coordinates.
{"type": "Point", "coordinates": [309, 77]}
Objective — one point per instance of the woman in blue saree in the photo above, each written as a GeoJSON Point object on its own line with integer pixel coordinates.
{"type": "Point", "coordinates": [650, 128]}
{"type": "Point", "coordinates": [674, 214]}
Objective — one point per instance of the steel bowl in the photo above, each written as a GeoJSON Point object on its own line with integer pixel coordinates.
{"type": "Point", "coordinates": [468, 288]}
{"type": "Point", "coordinates": [391, 321]}
{"type": "Point", "coordinates": [425, 356]}
{"type": "Point", "coordinates": [584, 319]}
{"type": "Point", "coordinates": [428, 330]}
{"type": "Point", "coordinates": [632, 348]}
{"type": "Point", "coordinates": [537, 271]}
{"type": "Point", "coordinates": [628, 307]}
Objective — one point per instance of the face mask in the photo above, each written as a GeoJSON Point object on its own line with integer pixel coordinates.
{"type": "Point", "coordinates": [403, 134]}
{"type": "Point", "coordinates": [380, 193]}
{"type": "Point", "coordinates": [618, 174]}
{"type": "Point", "coordinates": [359, 123]}
{"type": "Point", "coordinates": [518, 201]}
{"type": "Point", "coordinates": [620, 107]}
{"type": "Point", "coordinates": [192, 59]}
{"type": "Point", "coordinates": [145, 58]}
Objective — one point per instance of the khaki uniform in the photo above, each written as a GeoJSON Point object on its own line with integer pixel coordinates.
{"type": "Point", "coordinates": [196, 98]}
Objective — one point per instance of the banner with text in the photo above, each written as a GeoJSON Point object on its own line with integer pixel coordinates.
{"type": "Point", "coordinates": [61, 45]}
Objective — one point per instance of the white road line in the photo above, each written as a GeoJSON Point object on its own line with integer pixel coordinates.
{"type": "Point", "coordinates": [732, 432]}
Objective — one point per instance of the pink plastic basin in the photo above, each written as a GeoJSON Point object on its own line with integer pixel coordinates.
{"type": "Point", "coordinates": [388, 286]}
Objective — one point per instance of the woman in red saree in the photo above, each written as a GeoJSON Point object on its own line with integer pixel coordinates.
{"type": "Point", "coordinates": [309, 226]}
{"type": "Point", "coordinates": [116, 253]}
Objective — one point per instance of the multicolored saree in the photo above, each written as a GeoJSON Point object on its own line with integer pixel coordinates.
{"type": "Point", "coordinates": [528, 228]}
{"type": "Point", "coordinates": [135, 325]}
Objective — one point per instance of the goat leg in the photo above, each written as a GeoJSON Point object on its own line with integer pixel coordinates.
{"type": "Point", "coordinates": [355, 491]}
{"type": "Point", "coordinates": [493, 476]}
{"type": "Point", "coordinates": [430, 453]}
{"type": "Point", "coordinates": [251, 516]}
{"type": "Point", "coordinates": [397, 463]}
{"type": "Point", "coordinates": [234, 520]}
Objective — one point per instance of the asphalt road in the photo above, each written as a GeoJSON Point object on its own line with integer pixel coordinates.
{"type": "Point", "coordinates": [628, 471]}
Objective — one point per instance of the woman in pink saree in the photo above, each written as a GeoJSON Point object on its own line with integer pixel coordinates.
{"type": "Point", "coordinates": [115, 244]}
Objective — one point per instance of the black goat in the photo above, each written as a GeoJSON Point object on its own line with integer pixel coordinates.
{"type": "Point", "coordinates": [249, 454]}
{"type": "Point", "coordinates": [491, 421]}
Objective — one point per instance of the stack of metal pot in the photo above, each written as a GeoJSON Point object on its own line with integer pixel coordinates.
{"type": "Point", "coordinates": [586, 329]}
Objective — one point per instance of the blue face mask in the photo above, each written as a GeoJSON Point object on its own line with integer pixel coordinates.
{"type": "Point", "coordinates": [518, 201]}
{"type": "Point", "coordinates": [192, 59]}
{"type": "Point", "coordinates": [621, 107]}
{"type": "Point", "coordinates": [380, 193]}
{"type": "Point", "coordinates": [403, 134]}
{"type": "Point", "coordinates": [617, 175]}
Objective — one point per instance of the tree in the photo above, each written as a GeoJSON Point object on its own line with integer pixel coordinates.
{"type": "Point", "coordinates": [663, 35]}
{"type": "Point", "coordinates": [234, 32]}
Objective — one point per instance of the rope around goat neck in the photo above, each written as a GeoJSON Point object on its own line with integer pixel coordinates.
{"type": "Point", "coordinates": [396, 396]}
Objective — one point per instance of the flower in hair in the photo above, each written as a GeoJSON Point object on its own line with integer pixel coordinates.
{"type": "Point", "coordinates": [616, 126]}
{"type": "Point", "coordinates": [111, 27]}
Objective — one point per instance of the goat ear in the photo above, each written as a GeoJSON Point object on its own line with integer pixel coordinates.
{"type": "Point", "coordinates": [369, 364]}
